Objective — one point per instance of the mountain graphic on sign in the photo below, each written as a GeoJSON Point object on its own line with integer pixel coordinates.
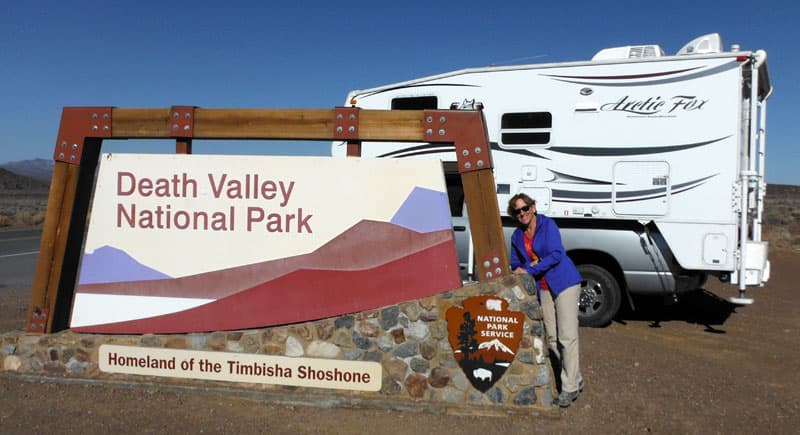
{"type": "Point", "coordinates": [495, 345]}
{"type": "Point", "coordinates": [108, 264]}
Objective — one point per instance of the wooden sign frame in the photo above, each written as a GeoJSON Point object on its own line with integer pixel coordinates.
{"type": "Point", "coordinates": [83, 129]}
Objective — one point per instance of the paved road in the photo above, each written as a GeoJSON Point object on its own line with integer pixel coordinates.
{"type": "Point", "coordinates": [19, 251]}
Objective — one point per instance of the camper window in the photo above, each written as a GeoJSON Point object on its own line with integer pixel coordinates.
{"type": "Point", "coordinates": [414, 103]}
{"type": "Point", "coordinates": [528, 128]}
{"type": "Point", "coordinates": [455, 193]}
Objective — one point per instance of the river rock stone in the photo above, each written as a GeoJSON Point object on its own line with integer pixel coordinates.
{"type": "Point", "coordinates": [368, 327]}
{"type": "Point", "coordinates": [539, 351]}
{"type": "Point", "coordinates": [427, 349]}
{"type": "Point", "coordinates": [250, 343]}
{"type": "Point", "coordinates": [275, 334]}
{"type": "Point", "coordinates": [542, 376]}
{"type": "Point", "coordinates": [66, 353]}
{"type": "Point", "coordinates": [391, 387]}
{"type": "Point", "coordinates": [360, 341]}
{"type": "Point", "coordinates": [75, 367]}
{"type": "Point", "coordinates": [452, 395]}
{"type": "Point", "coordinates": [419, 365]}
{"type": "Point", "coordinates": [303, 332]}
{"type": "Point", "coordinates": [234, 335]}
{"type": "Point", "coordinates": [83, 355]}
{"type": "Point", "coordinates": [439, 377]}
{"type": "Point", "coordinates": [234, 346]}
{"type": "Point", "coordinates": [495, 395]}
{"type": "Point", "coordinates": [352, 354]}
{"type": "Point", "coordinates": [293, 347]}
{"type": "Point", "coordinates": [12, 363]}
{"type": "Point", "coordinates": [342, 338]}
{"type": "Point", "coordinates": [175, 343]}
{"type": "Point", "coordinates": [399, 335]}
{"type": "Point", "coordinates": [150, 340]}
{"type": "Point", "coordinates": [438, 330]}
{"type": "Point", "coordinates": [416, 385]}
{"type": "Point", "coordinates": [385, 342]}
{"type": "Point", "coordinates": [411, 311]}
{"type": "Point", "coordinates": [90, 342]}
{"type": "Point", "coordinates": [197, 341]}
{"type": "Point", "coordinates": [217, 341]}
{"type": "Point", "coordinates": [272, 349]}
{"type": "Point", "coordinates": [406, 350]}
{"type": "Point", "coordinates": [526, 397]}
{"type": "Point", "coordinates": [323, 349]}
{"type": "Point", "coordinates": [428, 303]}
{"type": "Point", "coordinates": [531, 310]}
{"type": "Point", "coordinates": [344, 322]}
{"type": "Point", "coordinates": [395, 369]}
{"type": "Point", "coordinates": [537, 329]}
{"type": "Point", "coordinates": [525, 356]}
{"type": "Point", "coordinates": [325, 330]}
{"type": "Point", "coordinates": [373, 355]}
{"type": "Point", "coordinates": [418, 331]}
{"type": "Point", "coordinates": [54, 368]}
{"type": "Point", "coordinates": [429, 315]}
{"type": "Point", "coordinates": [389, 317]}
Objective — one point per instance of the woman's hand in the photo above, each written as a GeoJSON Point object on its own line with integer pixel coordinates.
{"type": "Point", "coordinates": [534, 263]}
{"type": "Point", "coordinates": [520, 271]}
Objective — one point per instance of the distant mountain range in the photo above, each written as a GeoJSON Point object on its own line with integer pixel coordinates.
{"type": "Point", "coordinates": [38, 169]}
{"type": "Point", "coordinates": [21, 184]}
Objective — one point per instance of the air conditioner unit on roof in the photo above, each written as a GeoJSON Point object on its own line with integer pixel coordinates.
{"type": "Point", "coordinates": [629, 52]}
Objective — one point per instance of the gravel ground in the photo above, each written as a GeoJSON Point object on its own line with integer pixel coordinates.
{"type": "Point", "coordinates": [700, 366]}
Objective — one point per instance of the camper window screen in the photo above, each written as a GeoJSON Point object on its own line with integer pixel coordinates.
{"type": "Point", "coordinates": [529, 128]}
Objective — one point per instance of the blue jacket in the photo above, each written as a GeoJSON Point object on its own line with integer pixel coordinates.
{"type": "Point", "coordinates": [554, 264]}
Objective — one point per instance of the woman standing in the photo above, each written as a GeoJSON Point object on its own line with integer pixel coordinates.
{"type": "Point", "coordinates": [537, 250]}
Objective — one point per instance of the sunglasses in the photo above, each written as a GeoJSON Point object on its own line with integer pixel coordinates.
{"type": "Point", "coordinates": [525, 209]}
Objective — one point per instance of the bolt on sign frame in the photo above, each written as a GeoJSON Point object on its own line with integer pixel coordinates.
{"type": "Point", "coordinates": [83, 129]}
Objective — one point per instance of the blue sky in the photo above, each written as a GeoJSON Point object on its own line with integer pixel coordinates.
{"type": "Point", "coordinates": [273, 54]}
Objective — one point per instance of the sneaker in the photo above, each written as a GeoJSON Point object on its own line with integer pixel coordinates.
{"type": "Point", "coordinates": [566, 398]}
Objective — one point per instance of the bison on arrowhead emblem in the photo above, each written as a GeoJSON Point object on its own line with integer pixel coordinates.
{"type": "Point", "coordinates": [485, 337]}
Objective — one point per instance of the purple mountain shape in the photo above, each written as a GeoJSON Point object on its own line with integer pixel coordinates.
{"type": "Point", "coordinates": [424, 211]}
{"type": "Point", "coordinates": [109, 264]}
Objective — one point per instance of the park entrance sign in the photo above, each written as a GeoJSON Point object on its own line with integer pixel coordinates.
{"type": "Point", "coordinates": [268, 272]}
{"type": "Point", "coordinates": [191, 243]}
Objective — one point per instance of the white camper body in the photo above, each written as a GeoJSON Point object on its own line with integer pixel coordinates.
{"type": "Point", "coordinates": [653, 165]}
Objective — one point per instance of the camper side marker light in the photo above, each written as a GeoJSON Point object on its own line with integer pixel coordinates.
{"type": "Point", "coordinates": [742, 58]}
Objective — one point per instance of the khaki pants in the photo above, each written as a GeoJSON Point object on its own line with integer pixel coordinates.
{"type": "Point", "coordinates": [561, 326]}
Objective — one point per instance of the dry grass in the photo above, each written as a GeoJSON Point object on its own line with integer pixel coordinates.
{"type": "Point", "coordinates": [22, 209]}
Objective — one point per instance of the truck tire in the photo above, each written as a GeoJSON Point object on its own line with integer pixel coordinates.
{"type": "Point", "coordinates": [600, 296]}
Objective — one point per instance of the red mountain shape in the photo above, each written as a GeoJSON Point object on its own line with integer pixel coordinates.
{"type": "Point", "coordinates": [306, 294]}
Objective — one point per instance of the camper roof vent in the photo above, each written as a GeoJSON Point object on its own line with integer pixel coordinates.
{"type": "Point", "coordinates": [629, 52]}
{"type": "Point", "coordinates": [711, 43]}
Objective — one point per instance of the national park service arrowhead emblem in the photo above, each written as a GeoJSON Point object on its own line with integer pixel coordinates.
{"type": "Point", "coordinates": [485, 337]}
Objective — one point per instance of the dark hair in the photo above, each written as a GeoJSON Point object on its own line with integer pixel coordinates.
{"type": "Point", "coordinates": [527, 199]}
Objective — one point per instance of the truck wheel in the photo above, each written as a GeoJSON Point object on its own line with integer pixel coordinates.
{"type": "Point", "coordinates": [600, 296]}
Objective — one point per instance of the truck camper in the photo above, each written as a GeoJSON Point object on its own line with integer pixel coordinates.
{"type": "Point", "coordinates": [651, 164]}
